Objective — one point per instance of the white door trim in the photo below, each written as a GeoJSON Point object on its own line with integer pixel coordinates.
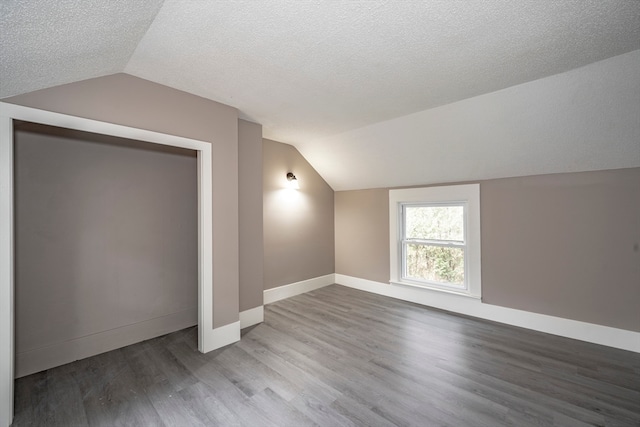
{"type": "Point", "coordinates": [9, 112]}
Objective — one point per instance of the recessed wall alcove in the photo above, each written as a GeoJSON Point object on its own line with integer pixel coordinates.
{"type": "Point", "coordinates": [11, 117]}
{"type": "Point", "coordinates": [106, 245]}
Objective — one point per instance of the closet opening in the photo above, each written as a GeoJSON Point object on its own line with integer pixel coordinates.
{"type": "Point", "coordinates": [105, 243]}
{"type": "Point", "coordinates": [100, 193]}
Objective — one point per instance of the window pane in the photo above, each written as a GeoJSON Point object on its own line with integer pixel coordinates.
{"type": "Point", "coordinates": [435, 264]}
{"type": "Point", "coordinates": [434, 222]}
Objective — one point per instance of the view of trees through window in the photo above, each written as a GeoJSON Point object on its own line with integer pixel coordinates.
{"type": "Point", "coordinates": [433, 243]}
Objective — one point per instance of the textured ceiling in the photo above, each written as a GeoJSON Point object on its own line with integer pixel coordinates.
{"type": "Point", "coordinates": [308, 69]}
{"type": "Point", "coordinates": [49, 43]}
{"type": "Point", "coordinates": [311, 70]}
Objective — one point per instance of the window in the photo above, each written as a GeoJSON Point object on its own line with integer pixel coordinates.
{"type": "Point", "coordinates": [433, 244]}
{"type": "Point", "coordinates": [435, 238]}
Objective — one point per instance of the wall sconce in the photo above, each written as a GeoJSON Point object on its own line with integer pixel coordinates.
{"type": "Point", "coordinates": [293, 181]}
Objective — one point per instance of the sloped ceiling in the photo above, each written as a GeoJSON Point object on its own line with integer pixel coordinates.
{"type": "Point", "coordinates": [581, 120]}
{"type": "Point", "coordinates": [46, 43]}
{"type": "Point", "coordinates": [313, 71]}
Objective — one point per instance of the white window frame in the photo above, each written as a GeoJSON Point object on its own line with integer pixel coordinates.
{"type": "Point", "coordinates": [404, 241]}
{"type": "Point", "coordinates": [467, 195]}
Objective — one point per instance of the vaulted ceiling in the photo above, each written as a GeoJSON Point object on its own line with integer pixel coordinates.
{"type": "Point", "coordinates": [311, 70]}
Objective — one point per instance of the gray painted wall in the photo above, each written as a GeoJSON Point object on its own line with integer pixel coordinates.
{"type": "Point", "coordinates": [106, 238]}
{"type": "Point", "coordinates": [565, 245]}
{"type": "Point", "coordinates": [131, 101]}
{"type": "Point", "coordinates": [250, 210]}
{"type": "Point", "coordinates": [362, 234]}
{"type": "Point", "coordinates": [298, 224]}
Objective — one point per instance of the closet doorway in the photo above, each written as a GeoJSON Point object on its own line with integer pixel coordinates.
{"type": "Point", "coordinates": [9, 115]}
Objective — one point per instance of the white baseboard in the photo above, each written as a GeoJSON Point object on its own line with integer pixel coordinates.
{"type": "Point", "coordinates": [287, 291]}
{"type": "Point", "coordinates": [222, 336]}
{"type": "Point", "coordinates": [39, 359]}
{"type": "Point", "coordinates": [598, 334]}
{"type": "Point", "coordinates": [251, 317]}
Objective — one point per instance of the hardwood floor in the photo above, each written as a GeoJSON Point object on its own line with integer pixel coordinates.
{"type": "Point", "coordinates": [341, 357]}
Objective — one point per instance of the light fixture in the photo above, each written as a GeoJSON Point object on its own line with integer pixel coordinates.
{"type": "Point", "coordinates": [293, 181]}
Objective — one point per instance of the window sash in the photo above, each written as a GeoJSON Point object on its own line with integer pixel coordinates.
{"type": "Point", "coordinates": [404, 242]}
{"type": "Point", "coordinates": [444, 243]}
{"type": "Point", "coordinates": [418, 280]}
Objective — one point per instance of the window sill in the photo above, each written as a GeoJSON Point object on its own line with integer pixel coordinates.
{"type": "Point", "coordinates": [436, 289]}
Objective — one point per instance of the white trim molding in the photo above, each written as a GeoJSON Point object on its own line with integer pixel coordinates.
{"type": "Point", "coordinates": [6, 271]}
{"type": "Point", "coordinates": [251, 317]}
{"type": "Point", "coordinates": [589, 332]}
{"type": "Point", "coordinates": [292, 289]}
{"type": "Point", "coordinates": [205, 243]}
{"type": "Point", "coordinates": [220, 337]}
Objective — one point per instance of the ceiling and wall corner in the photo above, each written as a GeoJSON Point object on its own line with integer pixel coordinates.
{"type": "Point", "coordinates": [348, 83]}
{"type": "Point", "coordinates": [581, 120]}
{"type": "Point", "coordinates": [307, 70]}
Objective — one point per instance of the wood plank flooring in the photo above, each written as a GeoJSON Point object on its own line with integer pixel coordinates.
{"type": "Point", "coordinates": [341, 357]}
